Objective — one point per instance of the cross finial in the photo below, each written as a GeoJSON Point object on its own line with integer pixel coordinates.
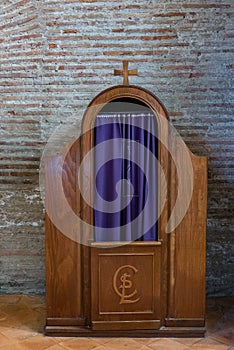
{"type": "Point", "coordinates": [125, 72]}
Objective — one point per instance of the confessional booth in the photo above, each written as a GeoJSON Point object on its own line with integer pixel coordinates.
{"type": "Point", "coordinates": [125, 224]}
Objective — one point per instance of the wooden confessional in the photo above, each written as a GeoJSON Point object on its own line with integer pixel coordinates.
{"type": "Point", "coordinates": [139, 288]}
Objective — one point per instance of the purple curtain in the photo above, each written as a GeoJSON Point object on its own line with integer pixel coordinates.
{"type": "Point", "coordinates": [126, 175]}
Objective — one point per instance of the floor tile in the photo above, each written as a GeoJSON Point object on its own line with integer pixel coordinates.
{"type": "Point", "coordinates": [39, 342]}
{"type": "Point", "coordinates": [103, 340]}
{"type": "Point", "coordinates": [144, 341]}
{"type": "Point", "coordinates": [225, 336]}
{"type": "Point", "coordinates": [3, 340]}
{"type": "Point", "coordinates": [56, 347]}
{"type": "Point", "coordinates": [3, 316]}
{"type": "Point", "coordinates": [18, 333]}
{"type": "Point", "coordinates": [209, 344]}
{"type": "Point", "coordinates": [167, 344]}
{"type": "Point", "coordinates": [9, 299]}
{"type": "Point", "coordinates": [12, 346]}
{"type": "Point", "coordinates": [123, 343]}
{"type": "Point", "coordinates": [80, 343]}
{"type": "Point", "coordinates": [101, 347]}
{"type": "Point", "coordinates": [187, 341]}
{"type": "Point", "coordinates": [62, 339]}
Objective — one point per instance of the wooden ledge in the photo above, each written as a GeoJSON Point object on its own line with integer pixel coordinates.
{"type": "Point", "coordinates": [124, 243]}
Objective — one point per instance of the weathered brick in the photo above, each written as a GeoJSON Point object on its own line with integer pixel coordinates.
{"type": "Point", "coordinates": [56, 55]}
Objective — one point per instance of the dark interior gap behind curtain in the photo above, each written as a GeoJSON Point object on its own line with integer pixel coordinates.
{"type": "Point", "coordinates": [123, 128]}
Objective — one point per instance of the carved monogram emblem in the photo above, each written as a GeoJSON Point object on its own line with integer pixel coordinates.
{"type": "Point", "coordinates": [122, 282]}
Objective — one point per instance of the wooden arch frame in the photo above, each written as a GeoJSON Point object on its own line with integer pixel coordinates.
{"type": "Point", "coordinates": [97, 104]}
{"type": "Point", "coordinates": [121, 91]}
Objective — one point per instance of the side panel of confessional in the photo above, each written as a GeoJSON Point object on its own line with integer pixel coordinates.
{"type": "Point", "coordinates": [64, 301]}
{"type": "Point", "coordinates": [187, 246]}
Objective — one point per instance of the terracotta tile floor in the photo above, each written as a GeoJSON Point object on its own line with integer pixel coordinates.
{"type": "Point", "coordinates": [22, 320]}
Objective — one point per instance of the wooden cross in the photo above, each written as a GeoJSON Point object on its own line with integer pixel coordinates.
{"type": "Point", "coordinates": [125, 72]}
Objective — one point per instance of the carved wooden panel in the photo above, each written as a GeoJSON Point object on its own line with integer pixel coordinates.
{"type": "Point", "coordinates": [126, 286]}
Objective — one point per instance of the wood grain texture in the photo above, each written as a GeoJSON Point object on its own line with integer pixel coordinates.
{"type": "Point", "coordinates": [63, 255]}
{"type": "Point", "coordinates": [136, 267]}
{"type": "Point", "coordinates": [76, 331]}
{"type": "Point", "coordinates": [187, 247]}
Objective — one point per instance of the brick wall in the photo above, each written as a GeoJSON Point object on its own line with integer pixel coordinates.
{"type": "Point", "coordinates": [56, 55]}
